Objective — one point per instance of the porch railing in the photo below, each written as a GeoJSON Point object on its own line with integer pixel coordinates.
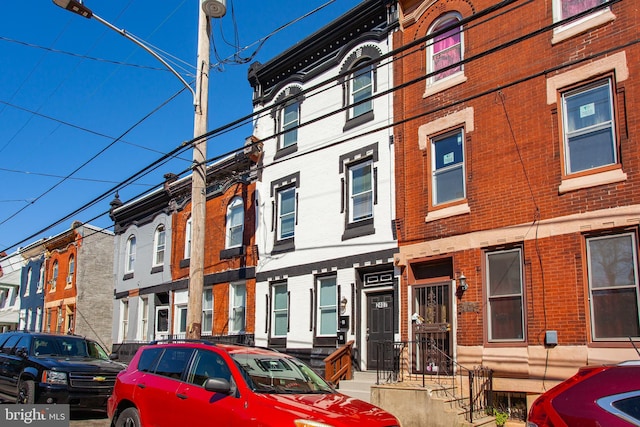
{"type": "Point", "coordinates": [424, 362]}
{"type": "Point", "coordinates": [337, 366]}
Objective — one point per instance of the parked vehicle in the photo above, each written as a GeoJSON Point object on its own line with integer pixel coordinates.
{"type": "Point", "coordinates": [606, 395]}
{"type": "Point", "coordinates": [201, 383]}
{"type": "Point", "coordinates": [47, 368]}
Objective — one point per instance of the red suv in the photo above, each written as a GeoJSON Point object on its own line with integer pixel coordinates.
{"type": "Point", "coordinates": [200, 383]}
{"type": "Point", "coordinates": [596, 396]}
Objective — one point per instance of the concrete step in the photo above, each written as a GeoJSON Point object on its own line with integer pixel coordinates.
{"type": "Point", "coordinates": [360, 386]}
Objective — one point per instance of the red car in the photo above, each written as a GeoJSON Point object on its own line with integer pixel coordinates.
{"type": "Point", "coordinates": [596, 396]}
{"type": "Point", "coordinates": [200, 383]}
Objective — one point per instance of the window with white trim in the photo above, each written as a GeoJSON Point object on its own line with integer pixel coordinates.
{"type": "Point", "coordinates": [40, 280]}
{"type": "Point", "coordinates": [361, 191]}
{"type": "Point", "coordinates": [238, 299]}
{"type": "Point", "coordinates": [280, 310]}
{"type": "Point", "coordinates": [235, 222]}
{"type": "Point", "coordinates": [564, 9]}
{"type": "Point", "coordinates": [124, 322]}
{"type": "Point", "coordinates": [613, 287]}
{"type": "Point", "coordinates": [159, 244]}
{"type": "Point", "coordinates": [448, 168]}
{"type": "Point", "coordinates": [54, 277]}
{"type": "Point", "coordinates": [361, 91]}
{"type": "Point", "coordinates": [143, 323]}
{"type": "Point", "coordinates": [505, 304]}
{"type": "Point", "coordinates": [207, 311]}
{"type": "Point", "coordinates": [130, 254]}
{"type": "Point", "coordinates": [446, 47]}
{"type": "Point", "coordinates": [327, 306]}
{"type": "Point", "coordinates": [286, 213]}
{"type": "Point", "coordinates": [72, 267]}
{"type": "Point", "coordinates": [27, 284]}
{"type": "Point", "coordinates": [589, 127]}
{"type": "Point", "coordinates": [187, 239]}
{"type": "Point", "coordinates": [290, 119]}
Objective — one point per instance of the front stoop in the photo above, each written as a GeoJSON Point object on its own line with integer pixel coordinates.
{"type": "Point", "coordinates": [428, 406]}
{"type": "Point", "coordinates": [360, 386]}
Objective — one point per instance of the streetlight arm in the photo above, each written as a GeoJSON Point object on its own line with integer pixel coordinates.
{"type": "Point", "coordinates": [80, 9]}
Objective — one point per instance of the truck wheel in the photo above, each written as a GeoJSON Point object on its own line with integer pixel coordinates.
{"type": "Point", "coordinates": [26, 392]}
{"type": "Point", "coordinates": [128, 418]}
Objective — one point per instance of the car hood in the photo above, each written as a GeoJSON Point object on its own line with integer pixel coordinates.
{"type": "Point", "coordinates": [333, 408]}
{"type": "Point", "coordinates": [81, 364]}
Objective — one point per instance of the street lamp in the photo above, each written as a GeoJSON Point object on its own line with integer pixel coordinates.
{"type": "Point", "coordinates": [208, 9]}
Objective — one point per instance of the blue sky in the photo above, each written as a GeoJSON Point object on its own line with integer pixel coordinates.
{"type": "Point", "coordinates": [82, 108]}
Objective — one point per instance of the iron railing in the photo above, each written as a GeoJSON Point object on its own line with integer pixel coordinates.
{"type": "Point", "coordinates": [422, 361]}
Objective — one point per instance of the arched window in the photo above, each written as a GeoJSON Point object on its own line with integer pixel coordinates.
{"type": "Point", "coordinates": [235, 222]}
{"type": "Point", "coordinates": [54, 277]}
{"type": "Point", "coordinates": [159, 242]}
{"type": "Point", "coordinates": [131, 254]}
{"type": "Point", "coordinates": [72, 267]}
{"type": "Point", "coordinates": [27, 284]}
{"type": "Point", "coordinates": [187, 239]}
{"type": "Point", "coordinates": [446, 47]}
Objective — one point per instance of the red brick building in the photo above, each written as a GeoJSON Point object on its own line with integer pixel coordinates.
{"type": "Point", "coordinates": [517, 172]}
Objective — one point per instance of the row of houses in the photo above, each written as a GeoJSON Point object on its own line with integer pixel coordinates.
{"type": "Point", "coordinates": [458, 171]}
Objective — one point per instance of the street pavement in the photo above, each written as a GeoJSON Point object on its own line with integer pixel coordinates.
{"type": "Point", "coordinates": [88, 419]}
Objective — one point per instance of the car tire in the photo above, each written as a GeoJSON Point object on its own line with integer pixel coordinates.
{"type": "Point", "coordinates": [128, 418]}
{"type": "Point", "coordinates": [26, 392]}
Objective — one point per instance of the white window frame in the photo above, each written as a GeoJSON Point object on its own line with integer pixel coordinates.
{"type": "Point", "coordinates": [187, 238]}
{"type": "Point", "coordinates": [358, 92]}
{"type": "Point", "coordinates": [282, 311]}
{"type": "Point", "coordinates": [327, 303]}
{"type": "Point", "coordinates": [493, 298]}
{"type": "Point", "coordinates": [237, 308]}
{"type": "Point", "coordinates": [365, 194]}
{"type": "Point", "coordinates": [27, 285]}
{"type": "Point", "coordinates": [235, 223]}
{"type": "Point", "coordinates": [124, 319]}
{"type": "Point", "coordinates": [159, 245]}
{"type": "Point", "coordinates": [54, 276]}
{"type": "Point", "coordinates": [557, 11]}
{"type": "Point", "coordinates": [585, 110]}
{"type": "Point", "coordinates": [289, 119]}
{"type": "Point", "coordinates": [38, 324]}
{"type": "Point", "coordinates": [143, 319]}
{"type": "Point", "coordinates": [72, 267]}
{"type": "Point", "coordinates": [162, 333]}
{"type": "Point", "coordinates": [180, 321]}
{"type": "Point", "coordinates": [40, 288]}
{"type": "Point", "coordinates": [130, 254]}
{"type": "Point", "coordinates": [286, 216]}
{"type": "Point", "coordinates": [452, 167]}
{"type": "Point", "coordinates": [440, 23]}
{"type": "Point", "coordinates": [207, 311]}
{"type": "Point", "coordinates": [595, 287]}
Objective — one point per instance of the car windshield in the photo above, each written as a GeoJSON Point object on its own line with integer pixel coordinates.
{"type": "Point", "coordinates": [66, 346]}
{"type": "Point", "coordinates": [279, 375]}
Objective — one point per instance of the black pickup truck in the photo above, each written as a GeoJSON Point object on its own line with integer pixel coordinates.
{"type": "Point", "coordinates": [46, 368]}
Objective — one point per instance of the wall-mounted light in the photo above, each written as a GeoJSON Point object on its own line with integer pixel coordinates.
{"type": "Point", "coordinates": [462, 282]}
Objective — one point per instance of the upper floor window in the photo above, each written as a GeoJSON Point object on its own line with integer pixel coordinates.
{"type": "Point", "coordinates": [235, 222]}
{"type": "Point", "coordinates": [27, 285]}
{"type": "Point", "coordinates": [613, 287]}
{"type": "Point", "coordinates": [361, 191]}
{"type": "Point", "coordinates": [187, 239]}
{"type": "Point", "coordinates": [286, 213]}
{"type": "Point", "coordinates": [159, 244]}
{"type": "Point", "coordinates": [361, 91]}
{"type": "Point", "coordinates": [41, 280]}
{"type": "Point", "coordinates": [447, 167]}
{"type": "Point", "coordinates": [327, 317]}
{"type": "Point", "coordinates": [72, 267]}
{"type": "Point", "coordinates": [290, 120]}
{"type": "Point", "coordinates": [568, 8]}
{"type": "Point", "coordinates": [237, 306]}
{"type": "Point", "coordinates": [445, 49]}
{"type": "Point", "coordinates": [54, 277]}
{"type": "Point", "coordinates": [131, 254]}
{"type": "Point", "coordinates": [505, 295]}
{"type": "Point", "coordinates": [588, 127]}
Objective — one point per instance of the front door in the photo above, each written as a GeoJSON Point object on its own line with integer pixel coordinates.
{"type": "Point", "coordinates": [379, 328]}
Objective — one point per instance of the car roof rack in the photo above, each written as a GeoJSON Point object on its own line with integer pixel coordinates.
{"type": "Point", "coordinates": [181, 340]}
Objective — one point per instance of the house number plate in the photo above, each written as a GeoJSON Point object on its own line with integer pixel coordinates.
{"type": "Point", "coordinates": [382, 304]}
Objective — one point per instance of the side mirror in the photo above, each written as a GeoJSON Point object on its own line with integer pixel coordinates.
{"type": "Point", "coordinates": [22, 352]}
{"type": "Point", "coordinates": [113, 356]}
{"type": "Point", "coordinates": [218, 385]}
